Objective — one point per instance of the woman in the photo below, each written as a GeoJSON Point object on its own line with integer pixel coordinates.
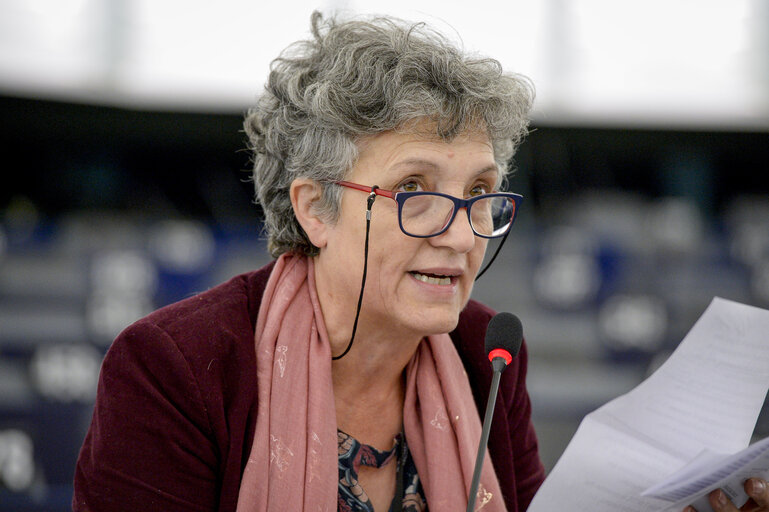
{"type": "Point", "coordinates": [326, 379]}
{"type": "Point", "coordinates": [280, 389]}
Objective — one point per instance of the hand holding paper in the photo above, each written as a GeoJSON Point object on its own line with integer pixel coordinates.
{"type": "Point", "coordinates": [707, 396]}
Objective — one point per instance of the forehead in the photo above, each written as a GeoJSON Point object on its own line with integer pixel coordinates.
{"type": "Point", "coordinates": [396, 152]}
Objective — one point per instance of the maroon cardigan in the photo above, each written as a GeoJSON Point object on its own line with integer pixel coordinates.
{"type": "Point", "coordinates": [176, 407]}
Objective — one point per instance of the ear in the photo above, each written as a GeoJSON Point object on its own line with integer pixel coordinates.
{"type": "Point", "coordinates": [305, 193]}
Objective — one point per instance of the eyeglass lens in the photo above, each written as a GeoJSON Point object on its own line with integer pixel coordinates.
{"type": "Point", "coordinates": [425, 215]}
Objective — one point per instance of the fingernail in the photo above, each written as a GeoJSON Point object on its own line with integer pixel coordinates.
{"type": "Point", "coordinates": [721, 498]}
{"type": "Point", "coordinates": [756, 487]}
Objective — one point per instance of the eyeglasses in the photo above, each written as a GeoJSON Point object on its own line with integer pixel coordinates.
{"type": "Point", "coordinates": [427, 214]}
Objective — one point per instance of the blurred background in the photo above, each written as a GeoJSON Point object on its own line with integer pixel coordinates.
{"type": "Point", "coordinates": [125, 187]}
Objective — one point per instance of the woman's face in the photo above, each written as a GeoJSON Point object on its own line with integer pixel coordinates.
{"type": "Point", "coordinates": [414, 285]}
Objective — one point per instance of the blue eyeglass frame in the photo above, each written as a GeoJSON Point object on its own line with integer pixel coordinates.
{"type": "Point", "coordinates": [400, 199]}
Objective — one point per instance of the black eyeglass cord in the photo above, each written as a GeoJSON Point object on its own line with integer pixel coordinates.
{"type": "Point", "coordinates": [369, 205]}
{"type": "Point", "coordinates": [499, 248]}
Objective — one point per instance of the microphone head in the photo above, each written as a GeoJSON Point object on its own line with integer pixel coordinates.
{"type": "Point", "coordinates": [504, 332]}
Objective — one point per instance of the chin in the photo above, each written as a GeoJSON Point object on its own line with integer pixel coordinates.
{"type": "Point", "coordinates": [431, 323]}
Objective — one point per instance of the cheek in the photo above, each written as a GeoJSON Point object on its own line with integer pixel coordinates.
{"type": "Point", "coordinates": [389, 261]}
{"type": "Point", "coordinates": [478, 252]}
{"type": "Point", "coordinates": [347, 234]}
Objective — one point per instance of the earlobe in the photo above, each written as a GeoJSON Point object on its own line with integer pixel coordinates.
{"type": "Point", "coordinates": [305, 193]}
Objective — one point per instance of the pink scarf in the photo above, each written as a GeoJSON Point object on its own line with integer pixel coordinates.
{"type": "Point", "coordinates": [293, 462]}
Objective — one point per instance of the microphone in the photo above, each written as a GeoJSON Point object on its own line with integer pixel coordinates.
{"type": "Point", "coordinates": [504, 336]}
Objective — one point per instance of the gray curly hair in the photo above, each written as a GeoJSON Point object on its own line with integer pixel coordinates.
{"type": "Point", "coordinates": [358, 78]}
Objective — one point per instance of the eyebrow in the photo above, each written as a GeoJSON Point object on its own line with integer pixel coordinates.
{"type": "Point", "coordinates": [416, 162]}
{"type": "Point", "coordinates": [419, 162]}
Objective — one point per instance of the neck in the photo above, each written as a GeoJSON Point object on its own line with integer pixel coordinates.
{"type": "Point", "coordinates": [368, 381]}
{"type": "Point", "coordinates": [369, 392]}
{"type": "Point", "coordinates": [375, 364]}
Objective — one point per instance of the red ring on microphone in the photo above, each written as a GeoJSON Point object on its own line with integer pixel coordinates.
{"type": "Point", "coordinates": [500, 352]}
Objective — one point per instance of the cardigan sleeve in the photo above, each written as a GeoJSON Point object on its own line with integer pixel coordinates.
{"type": "Point", "coordinates": [149, 446]}
{"type": "Point", "coordinates": [529, 471]}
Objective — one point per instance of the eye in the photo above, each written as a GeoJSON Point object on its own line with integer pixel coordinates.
{"type": "Point", "coordinates": [410, 186]}
{"type": "Point", "coordinates": [479, 189]}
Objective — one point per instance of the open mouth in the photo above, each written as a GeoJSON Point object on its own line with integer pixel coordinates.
{"type": "Point", "coordinates": [432, 278]}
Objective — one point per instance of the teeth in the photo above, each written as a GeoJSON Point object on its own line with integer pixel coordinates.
{"type": "Point", "coordinates": [431, 279]}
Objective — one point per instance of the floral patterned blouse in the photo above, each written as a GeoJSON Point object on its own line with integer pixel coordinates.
{"type": "Point", "coordinates": [352, 497]}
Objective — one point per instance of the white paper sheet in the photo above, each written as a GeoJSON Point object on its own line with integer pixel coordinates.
{"type": "Point", "coordinates": [711, 471]}
{"type": "Point", "coordinates": [707, 395]}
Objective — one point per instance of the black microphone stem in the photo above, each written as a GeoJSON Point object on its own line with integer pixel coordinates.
{"type": "Point", "coordinates": [499, 364]}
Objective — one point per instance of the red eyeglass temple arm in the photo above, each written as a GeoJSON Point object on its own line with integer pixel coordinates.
{"type": "Point", "coordinates": [364, 188]}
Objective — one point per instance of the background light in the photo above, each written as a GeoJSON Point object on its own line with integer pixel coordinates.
{"type": "Point", "coordinates": [677, 62]}
{"type": "Point", "coordinates": [66, 373]}
{"type": "Point", "coordinates": [17, 463]}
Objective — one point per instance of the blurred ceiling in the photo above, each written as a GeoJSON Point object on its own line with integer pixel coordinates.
{"type": "Point", "coordinates": [674, 63]}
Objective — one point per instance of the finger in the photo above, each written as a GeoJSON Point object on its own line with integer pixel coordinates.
{"type": "Point", "coordinates": [758, 490]}
{"type": "Point", "coordinates": [690, 509]}
{"type": "Point", "coordinates": [720, 502]}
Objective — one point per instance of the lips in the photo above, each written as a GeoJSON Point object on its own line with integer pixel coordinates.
{"type": "Point", "coordinates": [431, 279]}
{"type": "Point", "coordinates": [442, 277]}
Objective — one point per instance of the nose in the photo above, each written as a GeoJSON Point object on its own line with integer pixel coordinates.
{"type": "Point", "coordinates": [459, 236]}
